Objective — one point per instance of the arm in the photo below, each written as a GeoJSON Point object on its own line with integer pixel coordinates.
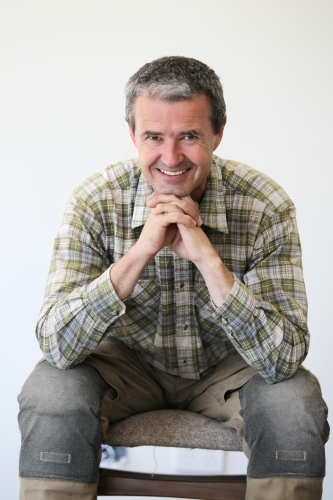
{"type": "Point", "coordinates": [265, 314]}
{"type": "Point", "coordinates": [80, 303]}
{"type": "Point", "coordinates": [83, 297]}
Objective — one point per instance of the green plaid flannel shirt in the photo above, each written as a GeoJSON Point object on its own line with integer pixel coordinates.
{"type": "Point", "coordinates": [170, 318]}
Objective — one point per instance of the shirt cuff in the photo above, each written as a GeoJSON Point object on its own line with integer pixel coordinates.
{"type": "Point", "coordinates": [103, 300]}
{"type": "Point", "coordinates": [237, 312]}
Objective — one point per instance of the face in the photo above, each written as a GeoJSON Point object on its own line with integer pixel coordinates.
{"type": "Point", "coordinates": [175, 142]}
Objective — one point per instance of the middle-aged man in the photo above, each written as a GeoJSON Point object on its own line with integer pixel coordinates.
{"type": "Point", "coordinates": [176, 282]}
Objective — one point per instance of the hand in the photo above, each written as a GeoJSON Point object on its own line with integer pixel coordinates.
{"type": "Point", "coordinates": [187, 240]}
{"type": "Point", "coordinates": [158, 203]}
{"type": "Point", "coordinates": [167, 212]}
{"type": "Point", "coordinates": [191, 243]}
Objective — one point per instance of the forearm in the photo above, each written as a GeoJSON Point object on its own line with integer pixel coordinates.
{"type": "Point", "coordinates": [72, 324]}
{"type": "Point", "coordinates": [125, 273]}
{"type": "Point", "coordinates": [83, 295]}
{"type": "Point", "coordinates": [273, 338]}
{"type": "Point", "coordinates": [219, 280]}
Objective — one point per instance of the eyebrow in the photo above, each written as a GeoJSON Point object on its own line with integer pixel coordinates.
{"type": "Point", "coordinates": [193, 131]}
{"type": "Point", "coordinates": [147, 133]}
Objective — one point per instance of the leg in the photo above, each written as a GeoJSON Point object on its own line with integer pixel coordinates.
{"type": "Point", "coordinates": [286, 429]}
{"type": "Point", "coordinates": [134, 387]}
{"type": "Point", "coordinates": [59, 422]}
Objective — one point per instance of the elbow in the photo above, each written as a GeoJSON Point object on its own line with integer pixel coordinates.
{"type": "Point", "coordinates": [282, 372]}
{"type": "Point", "coordinates": [57, 359]}
{"type": "Point", "coordinates": [56, 363]}
{"type": "Point", "coordinates": [55, 351]}
{"type": "Point", "coordinates": [54, 355]}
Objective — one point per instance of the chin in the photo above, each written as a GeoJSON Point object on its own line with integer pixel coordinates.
{"type": "Point", "coordinates": [180, 193]}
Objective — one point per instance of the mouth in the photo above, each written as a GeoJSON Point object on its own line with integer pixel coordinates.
{"type": "Point", "coordinates": [173, 173]}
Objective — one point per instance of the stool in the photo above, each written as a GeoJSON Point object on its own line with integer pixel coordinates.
{"type": "Point", "coordinates": [179, 429]}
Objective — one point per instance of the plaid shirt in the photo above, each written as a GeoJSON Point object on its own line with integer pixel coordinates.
{"type": "Point", "coordinates": [170, 318]}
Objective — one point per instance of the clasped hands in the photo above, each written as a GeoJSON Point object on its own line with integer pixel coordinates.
{"type": "Point", "coordinates": [176, 223]}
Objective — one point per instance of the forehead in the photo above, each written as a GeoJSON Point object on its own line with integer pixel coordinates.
{"type": "Point", "coordinates": [190, 111]}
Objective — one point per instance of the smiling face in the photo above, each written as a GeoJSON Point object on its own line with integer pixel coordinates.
{"type": "Point", "coordinates": [175, 142]}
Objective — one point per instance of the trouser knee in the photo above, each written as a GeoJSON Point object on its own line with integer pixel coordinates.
{"type": "Point", "coordinates": [59, 423]}
{"type": "Point", "coordinates": [285, 426]}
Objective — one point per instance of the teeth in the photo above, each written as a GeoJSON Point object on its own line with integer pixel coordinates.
{"type": "Point", "coordinates": [179, 172]}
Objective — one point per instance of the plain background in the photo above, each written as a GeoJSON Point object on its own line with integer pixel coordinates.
{"type": "Point", "coordinates": [63, 68]}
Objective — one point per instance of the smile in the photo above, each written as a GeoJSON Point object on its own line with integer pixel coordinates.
{"type": "Point", "coordinates": [178, 172]}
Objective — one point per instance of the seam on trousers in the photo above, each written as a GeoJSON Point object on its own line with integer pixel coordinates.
{"type": "Point", "coordinates": [286, 474]}
{"type": "Point", "coordinates": [60, 458]}
{"type": "Point", "coordinates": [59, 476]}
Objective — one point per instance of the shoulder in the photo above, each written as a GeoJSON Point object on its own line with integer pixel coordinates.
{"type": "Point", "coordinates": [242, 180]}
{"type": "Point", "coordinates": [106, 183]}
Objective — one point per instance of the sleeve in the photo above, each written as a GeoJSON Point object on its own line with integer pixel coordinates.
{"type": "Point", "coordinates": [80, 302]}
{"type": "Point", "coordinates": [265, 314]}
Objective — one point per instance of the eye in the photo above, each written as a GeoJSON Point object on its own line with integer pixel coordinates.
{"type": "Point", "coordinates": [190, 137]}
{"type": "Point", "coordinates": [154, 138]}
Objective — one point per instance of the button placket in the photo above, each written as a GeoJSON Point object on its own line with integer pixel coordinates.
{"type": "Point", "coordinates": [185, 337]}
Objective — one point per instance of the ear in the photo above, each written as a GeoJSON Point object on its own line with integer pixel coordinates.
{"type": "Point", "coordinates": [132, 135]}
{"type": "Point", "coordinates": [219, 135]}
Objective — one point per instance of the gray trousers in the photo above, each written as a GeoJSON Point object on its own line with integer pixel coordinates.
{"type": "Point", "coordinates": [64, 414]}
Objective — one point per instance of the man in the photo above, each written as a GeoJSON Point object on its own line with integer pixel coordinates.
{"type": "Point", "coordinates": [176, 281]}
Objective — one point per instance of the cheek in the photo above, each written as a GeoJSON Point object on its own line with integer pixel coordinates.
{"type": "Point", "coordinates": [147, 158]}
{"type": "Point", "coordinates": [200, 157]}
{"type": "Point", "coordinates": [143, 154]}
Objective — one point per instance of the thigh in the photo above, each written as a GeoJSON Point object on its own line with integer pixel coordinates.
{"type": "Point", "coordinates": [216, 395]}
{"type": "Point", "coordinates": [50, 391]}
{"type": "Point", "coordinates": [133, 386]}
{"type": "Point", "coordinates": [212, 395]}
{"type": "Point", "coordinates": [285, 426]}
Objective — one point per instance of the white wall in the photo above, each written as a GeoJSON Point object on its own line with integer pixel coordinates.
{"type": "Point", "coordinates": [63, 68]}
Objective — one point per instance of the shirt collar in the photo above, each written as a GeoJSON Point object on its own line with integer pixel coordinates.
{"type": "Point", "coordinates": [140, 212]}
{"type": "Point", "coordinates": [212, 206]}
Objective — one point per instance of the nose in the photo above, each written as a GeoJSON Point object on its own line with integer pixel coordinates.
{"type": "Point", "coordinates": [171, 154]}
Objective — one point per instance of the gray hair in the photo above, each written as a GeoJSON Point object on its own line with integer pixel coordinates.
{"type": "Point", "coordinates": [176, 78]}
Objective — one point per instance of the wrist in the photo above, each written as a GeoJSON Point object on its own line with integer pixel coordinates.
{"type": "Point", "coordinates": [219, 280]}
{"type": "Point", "coordinates": [125, 273]}
{"type": "Point", "coordinates": [141, 252]}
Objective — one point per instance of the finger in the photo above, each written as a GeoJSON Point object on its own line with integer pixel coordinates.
{"type": "Point", "coordinates": [190, 199]}
{"type": "Point", "coordinates": [156, 198]}
{"type": "Point", "coordinates": [172, 217]}
{"type": "Point", "coordinates": [163, 208]}
{"type": "Point", "coordinates": [152, 195]}
{"type": "Point", "coordinates": [186, 205]}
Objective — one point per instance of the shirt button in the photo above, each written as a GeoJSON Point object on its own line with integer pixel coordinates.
{"type": "Point", "coordinates": [185, 327]}
{"type": "Point", "coordinates": [224, 321]}
{"type": "Point", "coordinates": [181, 285]}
